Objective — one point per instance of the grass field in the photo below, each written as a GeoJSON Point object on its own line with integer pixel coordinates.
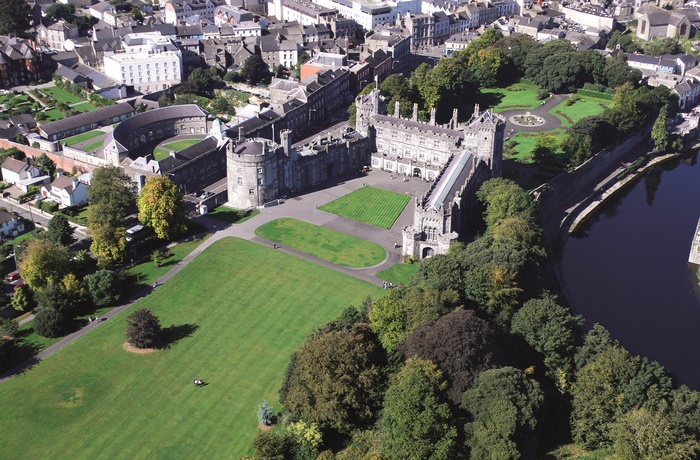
{"type": "Point", "coordinates": [232, 216]}
{"type": "Point", "coordinates": [399, 273]}
{"type": "Point", "coordinates": [521, 95]}
{"type": "Point", "coordinates": [526, 143]}
{"type": "Point", "coordinates": [94, 146]}
{"type": "Point", "coordinates": [159, 154]}
{"type": "Point", "coordinates": [326, 244]}
{"type": "Point", "coordinates": [233, 317]}
{"type": "Point", "coordinates": [53, 115]}
{"type": "Point", "coordinates": [370, 205]}
{"type": "Point", "coordinates": [61, 95]}
{"type": "Point", "coordinates": [584, 107]}
{"type": "Point", "coordinates": [181, 145]}
{"type": "Point", "coordinates": [82, 137]}
{"type": "Point", "coordinates": [85, 107]}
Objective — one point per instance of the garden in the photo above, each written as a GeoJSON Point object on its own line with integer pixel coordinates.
{"type": "Point", "coordinates": [233, 316]}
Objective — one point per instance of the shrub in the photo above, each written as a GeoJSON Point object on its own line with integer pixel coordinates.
{"type": "Point", "coordinates": [49, 322]}
{"type": "Point", "coordinates": [143, 329]}
{"type": "Point", "coordinates": [265, 414]}
{"type": "Point", "coordinates": [542, 95]}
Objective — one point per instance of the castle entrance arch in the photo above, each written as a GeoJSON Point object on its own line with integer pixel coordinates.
{"type": "Point", "coordinates": [428, 252]}
{"type": "Point", "coordinates": [417, 173]}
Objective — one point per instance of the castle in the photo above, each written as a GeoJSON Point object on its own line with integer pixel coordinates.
{"type": "Point", "coordinates": [456, 157]}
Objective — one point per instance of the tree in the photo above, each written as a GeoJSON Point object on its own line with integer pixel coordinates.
{"type": "Point", "coordinates": [504, 405]}
{"type": "Point", "coordinates": [598, 395]}
{"type": "Point", "coordinates": [596, 340]}
{"type": "Point", "coordinates": [551, 330]}
{"type": "Point", "coordinates": [223, 106]}
{"type": "Point", "coordinates": [43, 162]}
{"type": "Point", "coordinates": [265, 414]}
{"type": "Point", "coordinates": [49, 322]}
{"type": "Point", "coordinates": [143, 329]}
{"type": "Point", "coordinates": [618, 72]}
{"type": "Point", "coordinates": [461, 344]}
{"type": "Point", "coordinates": [201, 79]}
{"type": "Point", "coordinates": [110, 196]}
{"type": "Point", "coordinates": [504, 198]}
{"type": "Point", "coordinates": [108, 243]}
{"type": "Point", "coordinates": [43, 262]}
{"type": "Point", "coordinates": [659, 132]}
{"type": "Point", "coordinates": [335, 380]}
{"type": "Point", "coordinates": [104, 287]}
{"type": "Point", "coordinates": [22, 299]}
{"type": "Point", "coordinates": [57, 11]}
{"type": "Point", "coordinates": [641, 434]}
{"type": "Point", "coordinates": [397, 314]}
{"type": "Point", "coordinates": [60, 231]}
{"type": "Point", "coordinates": [162, 207]}
{"type": "Point", "coordinates": [254, 69]}
{"type": "Point", "coordinates": [66, 297]}
{"type": "Point", "coordinates": [416, 417]}
{"type": "Point", "coordinates": [587, 137]}
{"type": "Point", "coordinates": [15, 17]}
{"type": "Point", "coordinates": [273, 445]}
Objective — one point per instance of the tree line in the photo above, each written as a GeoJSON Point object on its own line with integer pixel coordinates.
{"type": "Point", "coordinates": [476, 358]}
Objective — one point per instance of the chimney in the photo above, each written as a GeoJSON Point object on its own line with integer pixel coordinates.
{"type": "Point", "coordinates": [415, 112]}
{"type": "Point", "coordinates": [397, 109]}
{"type": "Point", "coordinates": [476, 110]}
{"type": "Point", "coordinates": [241, 134]}
{"type": "Point", "coordinates": [432, 116]}
{"type": "Point", "coordinates": [454, 119]}
{"type": "Point", "coordinates": [286, 140]}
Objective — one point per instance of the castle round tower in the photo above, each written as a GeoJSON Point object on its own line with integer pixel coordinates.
{"type": "Point", "coordinates": [253, 172]}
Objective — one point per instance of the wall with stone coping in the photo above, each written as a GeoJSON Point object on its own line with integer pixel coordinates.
{"type": "Point", "coordinates": [62, 162]}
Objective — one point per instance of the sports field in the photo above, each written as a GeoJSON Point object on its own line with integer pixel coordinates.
{"type": "Point", "coordinates": [370, 205]}
{"type": "Point", "coordinates": [326, 244]}
{"type": "Point", "coordinates": [234, 314]}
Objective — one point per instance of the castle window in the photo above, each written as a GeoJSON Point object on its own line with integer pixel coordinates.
{"type": "Point", "coordinates": [380, 131]}
{"type": "Point", "coordinates": [260, 181]}
{"type": "Point", "coordinates": [259, 170]}
{"type": "Point", "coordinates": [436, 158]}
{"type": "Point", "coordinates": [240, 181]}
{"type": "Point", "coordinates": [251, 191]}
{"type": "Point", "coordinates": [408, 138]}
{"type": "Point", "coordinates": [421, 141]}
{"type": "Point", "coordinates": [393, 134]}
{"type": "Point", "coordinates": [239, 170]}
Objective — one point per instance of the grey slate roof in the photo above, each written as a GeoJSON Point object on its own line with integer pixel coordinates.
{"type": "Point", "coordinates": [14, 165]}
{"type": "Point", "coordinates": [86, 118]}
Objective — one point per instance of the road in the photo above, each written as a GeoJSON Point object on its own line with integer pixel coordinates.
{"type": "Point", "coordinates": [40, 218]}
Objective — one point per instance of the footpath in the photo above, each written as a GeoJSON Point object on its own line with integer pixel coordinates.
{"type": "Point", "coordinates": [303, 208]}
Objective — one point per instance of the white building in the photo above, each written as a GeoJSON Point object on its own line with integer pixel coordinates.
{"type": "Point", "coordinates": [65, 191]}
{"type": "Point", "coordinates": [371, 14]}
{"type": "Point", "coordinates": [177, 10]}
{"type": "Point", "coordinates": [149, 63]}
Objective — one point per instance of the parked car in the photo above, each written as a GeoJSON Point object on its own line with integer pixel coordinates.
{"type": "Point", "coordinates": [14, 276]}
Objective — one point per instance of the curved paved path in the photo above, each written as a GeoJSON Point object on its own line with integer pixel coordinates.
{"type": "Point", "coordinates": [550, 121]}
{"type": "Point", "coordinates": [303, 208]}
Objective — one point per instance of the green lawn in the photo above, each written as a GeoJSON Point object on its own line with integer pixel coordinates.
{"type": "Point", "coordinates": [326, 244]}
{"type": "Point", "coordinates": [399, 273]}
{"type": "Point", "coordinates": [521, 95]}
{"type": "Point", "coordinates": [82, 137]}
{"type": "Point", "coordinates": [584, 107]}
{"type": "Point", "coordinates": [61, 95]}
{"type": "Point", "coordinates": [235, 314]}
{"type": "Point", "coordinates": [85, 107]}
{"type": "Point", "coordinates": [145, 273]}
{"type": "Point", "coordinates": [370, 205]}
{"type": "Point", "coordinates": [93, 146]}
{"type": "Point", "coordinates": [53, 115]}
{"type": "Point", "coordinates": [159, 154]}
{"type": "Point", "coordinates": [181, 145]}
{"type": "Point", "coordinates": [233, 216]}
{"type": "Point", "coordinates": [526, 143]}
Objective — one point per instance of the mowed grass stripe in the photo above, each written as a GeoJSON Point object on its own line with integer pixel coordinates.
{"type": "Point", "coordinates": [252, 305]}
{"type": "Point", "coordinates": [370, 205]}
{"type": "Point", "coordinates": [324, 243]}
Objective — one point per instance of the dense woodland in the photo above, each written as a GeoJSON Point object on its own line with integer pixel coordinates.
{"type": "Point", "coordinates": [476, 358]}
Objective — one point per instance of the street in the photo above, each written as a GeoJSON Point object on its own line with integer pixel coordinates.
{"type": "Point", "coordinates": [40, 219]}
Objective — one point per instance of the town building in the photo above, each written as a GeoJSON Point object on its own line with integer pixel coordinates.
{"type": "Point", "coordinates": [149, 63]}
{"type": "Point", "coordinates": [10, 224]}
{"type": "Point", "coordinates": [176, 11]}
{"type": "Point", "coordinates": [65, 191]}
{"type": "Point", "coordinates": [22, 174]}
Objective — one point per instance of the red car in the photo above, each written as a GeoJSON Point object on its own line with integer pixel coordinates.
{"type": "Point", "coordinates": [13, 276]}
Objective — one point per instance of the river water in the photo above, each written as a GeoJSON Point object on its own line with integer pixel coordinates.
{"type": "Point", "coordinates": [628, 269]}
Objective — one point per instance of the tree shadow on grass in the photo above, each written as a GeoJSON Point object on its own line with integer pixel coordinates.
{"type": "Point", "coordinates": [173, 334]}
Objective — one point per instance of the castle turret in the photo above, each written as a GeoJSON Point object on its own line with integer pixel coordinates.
{"type": "Point", "coordinates": [415, 112]}
{"type": "Point", "coordinates": [432, 116]}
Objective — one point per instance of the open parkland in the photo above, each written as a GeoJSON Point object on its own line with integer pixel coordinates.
{"type": "Point", "coordinates": [233, 310]}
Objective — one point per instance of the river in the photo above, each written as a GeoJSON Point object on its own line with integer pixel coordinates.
{"type": "Point", "coordinates": [628, 269]}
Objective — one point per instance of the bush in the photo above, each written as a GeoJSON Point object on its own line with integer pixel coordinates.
{"type": "Point", "coordinates": [542, 95]}
{"type": "Point", "coordinates": [143, 329]}
{"type": "Point", "coordinates": [49, 322]}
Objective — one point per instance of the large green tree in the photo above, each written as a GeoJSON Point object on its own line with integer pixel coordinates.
{"type": "Point", "coordinates": [659, 132]}
{"type": "Point", "coordinates": [504, 406]}
{"type": "Point", "coordinates": [15, 17]}
{"type": "Point", "coordinates": [57, 11]}
{"type": "Point", "coordinates": [417, 418]}
{"type": "Point", "coordinates": [336, 380]}
{"type": "Point", "coordinates": [143, 329]}
{"type": "Point", "coordinates": [162, 207]}
{"type": "Point", "coordinates": [43, 262]}
{"type": "Point", "coordinates": [60, 231]}
{"type": "Point", "coordinates": [108, 243]}
{"type": "Point", "coordinates": [104, 287]}
{"type": "Point", "coordinates": [504, 198]}
{"type": "Point", "coordinates": [110, 196]}
{"type": "Point", "coordinates": [255, 69]}
{"type": "Point", "coordinates": [552, 331]}
{"type": "Point", "coordinates": [201, 79]}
